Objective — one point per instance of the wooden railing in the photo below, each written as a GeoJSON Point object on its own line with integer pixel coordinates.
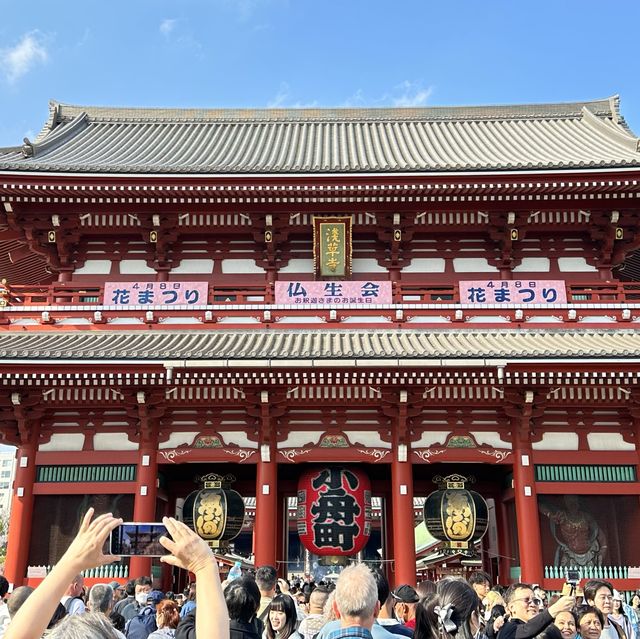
{"type": "Point", "coordinates": [63, 294]}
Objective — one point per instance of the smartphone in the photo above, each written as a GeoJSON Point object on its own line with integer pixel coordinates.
{"type": "Point", "coordinates": [138, 539]}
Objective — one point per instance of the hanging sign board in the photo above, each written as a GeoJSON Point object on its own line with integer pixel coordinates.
{"type": "Point", "coordinates": [334, 293]}
{"type": "Point", "coordinates": [155, 293]}
{"type": "Point", "coordinates": [513, 292]}
{"type": "Point", "coordinates": [332, 246]}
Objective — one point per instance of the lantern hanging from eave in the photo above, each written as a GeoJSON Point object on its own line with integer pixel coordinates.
{"type": "Point", "coordinates": [456, 516]}
{"type": "Point", "coordinates": [334, 512]}
{"type": "Point", "coordinates": [215, 513]}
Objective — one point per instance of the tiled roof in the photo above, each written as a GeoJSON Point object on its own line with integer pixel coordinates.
{"type": "Point", "coordinates": [274, 141]}
{"type": "Point", "coordinates": [329, 345]}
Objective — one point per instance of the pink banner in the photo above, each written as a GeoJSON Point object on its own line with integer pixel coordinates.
{"type": "Point", "coordinates": [365, 292]}
{"type": "Point", "coordinates": [155, 293]}
{"type": "Point", "coordinates": [513, 292]}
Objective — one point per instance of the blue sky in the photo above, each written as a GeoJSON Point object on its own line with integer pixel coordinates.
{"type": "Point", "coordinates": [293, 53]}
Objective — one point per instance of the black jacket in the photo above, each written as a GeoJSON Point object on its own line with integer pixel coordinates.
{"type": "Point", "coordinates": [517, 629]}
{"type": "Point", "coordinates": [239, 630]}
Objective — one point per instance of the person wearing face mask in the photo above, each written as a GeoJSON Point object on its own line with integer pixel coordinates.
{"type": "Point", "coordinates": [142, 589]}
{"type": "Point", "coordinates": [405, 599]}
{"type": "Point", "coordinates": [525, 619]}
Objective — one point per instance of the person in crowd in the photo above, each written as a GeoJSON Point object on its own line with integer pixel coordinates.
{"type": "Point", "coordinates": [58, 614]}
{"type": "Point", "coordinates": [453, 610]}
{"type": "Point", "coordinates": [118, 591]}
{"type": "Point", "coordinates": [4, 611]}
{"type": "Point", "coordinates": [142, 589]}
{"type": "Point", "coordinates": [72, 599]}
{"type": "Point", "coordinates": [494, 613]}
{"type": "Point", "coordinates": [144, 623]}
{"type": "Point", "coordinates": [541, 593]}
{"type": "Point", "coordinates": [100, 600]}
{"type": "Point", "coordinates": [590, 622]}
{"type": "Point", "coordinates": [282, 618]}
{"type": "Point", "coordinates": [187, 551]}
{"type": "Point", "coordinates": [167, 619]}
{"type": "Point", "coordinates": [266, 579]}
{"type": "Point", "coordinates": [599, 594]}
{"type": "Point", "coordinates": [619, 615]}
{"type": "Point", "coordinates": [129, 596]}
{"type": "Point", "coordinates": [425, 588]}
{"type": "Point", "coordinates": [356, 603]}
{"type": "Point", "coordinates": [190, 604]}
{"type": "Point", "coordinates": [311, 625]}
{"type": "Point", "coordinates": [567, 622]}
{"type": "Point", "coordinates": [526, 620]}
{"type": "Point", "coordinates": [329, 610]}
{"type": "Point", "coordinates": [386, 617]}
{"type": "Point", "coordinates": [243, 600]}
{"type": "Point", "coordinates": [635, 602]}
{"type": "Point", "coordinates": [480, 582]}
{"type": "Point", "coordinates": [405, 600]}
{"type": "Point", "coordinates": [117, 621]}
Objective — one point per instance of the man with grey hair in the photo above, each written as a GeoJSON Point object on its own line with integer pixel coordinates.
{"type": "Point", "coordinates": [100, 600]}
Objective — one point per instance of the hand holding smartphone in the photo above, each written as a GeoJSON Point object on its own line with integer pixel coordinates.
{"type": "Point", "coordinates": [138, 539]}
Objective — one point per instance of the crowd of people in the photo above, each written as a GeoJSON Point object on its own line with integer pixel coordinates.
{"type": "Point", "coordinates": [360, 604]}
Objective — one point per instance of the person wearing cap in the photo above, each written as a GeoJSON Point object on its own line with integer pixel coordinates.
{"type": "Point", "coordinates": [144, 623]}
{"type": "Point", "coordinates": [619, 615]}
{"type": "Point", "coordinates": [118, 591]}
{"type": "Point", "coordinates": [405, 600]}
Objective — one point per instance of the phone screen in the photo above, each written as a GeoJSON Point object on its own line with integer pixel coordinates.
{"type": "Point", "coordinates": [132, 539]}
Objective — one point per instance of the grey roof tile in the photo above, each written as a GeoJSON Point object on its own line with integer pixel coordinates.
{"type": "Point", "coordinates": [319, 345]}
{"type": "Point", "coordinates": [240, 141]}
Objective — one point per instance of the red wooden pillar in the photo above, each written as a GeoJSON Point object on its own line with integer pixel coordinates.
{"type": "Point", "coordinates": [265, 530]}
{"type": "Point", "coordinates": [19, 537]}
{"type": "Point", "coordinates": [144, 505]}
{"type": "Point", "coordinates": [527, 516]}
{"type": "Point", "coordinates": [402, 517]}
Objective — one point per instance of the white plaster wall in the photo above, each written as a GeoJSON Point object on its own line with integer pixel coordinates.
{"type": "Point", "coordinates": [533, 265]}
{"type": "Point", "coordinates": [557, 441]}
{"type": "Point", "coordinates": [425, 265]}
{"type": "Point", "coordinates": [239, 438]}
{"type": "Point", "coordinates": [490, 439]}
{"type": "Point", "coordinates": [113, 441]}
{"type": "Point", "coordinates": [608, 441]}
{"type": "Point", "coordinates": [473, 265]}
{"type": "Point", "coordinates": [63, 442]}
{"type": "Point", "coordinates": [432, 437]}
{"type": "Point", "coordinates": [366, 265]}
{"type": "Point", "coordinates": [135, 267]}
{"type": "Point", "coordinates": [194, 266]}
{"type": "Point", "coordinates": [300, 265]}
{"type": "Point", "coordinates": [370, 439]}
{"type": "Point", "coordinates": [178, 439]}
{"type": "Point", "coordinates": [575, 265]}
{"type": "Point", "coordinates": [298, 439]}
{"type": "Point", "coordinates": [94, 267]}
{"type": "Point", "coordinates": [241, 266]}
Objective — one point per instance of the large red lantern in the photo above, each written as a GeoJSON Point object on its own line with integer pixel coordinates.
{"type": "Point", "coordinates": [334, 511]}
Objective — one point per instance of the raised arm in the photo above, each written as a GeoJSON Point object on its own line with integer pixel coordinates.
{"type": "Point", "coordinates": [190, 552]}
{"type": "Point", "coordinates": [85, 552]}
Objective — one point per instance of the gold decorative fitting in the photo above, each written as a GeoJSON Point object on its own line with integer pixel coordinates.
{"type": "Point", "coordinates": [268, 237]}
{"type": "Point", "coordinates": [51, 237]}
{"type": "Point", "coordinates": [514, 235]}
{"type": "Point", "coordinates": [397, 235]}
{"type": "Point", "coordinates": [619, 233]}
{"type": "Point", "coordinates": [153, 237]}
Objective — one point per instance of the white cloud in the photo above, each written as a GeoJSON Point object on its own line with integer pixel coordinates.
{"type": "Point", "coordinates": [411, 94]}
{"type": "Point", "coordinates": [405, 94]}
{"type": "Point", "coordinates": [19, 60]}
{"type": "Point", "coordinates": [167, 26]}
{"type": "Point", "coordinates": [282, 100]}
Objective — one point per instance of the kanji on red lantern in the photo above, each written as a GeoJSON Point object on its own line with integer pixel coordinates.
{"type": "Point", "coordinates": [334, 511]}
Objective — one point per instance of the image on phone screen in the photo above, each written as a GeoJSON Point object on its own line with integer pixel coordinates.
{"type": "Point", "coordinates": [135, 539]}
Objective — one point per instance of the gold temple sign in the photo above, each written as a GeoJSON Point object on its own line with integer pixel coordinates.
{"type": "Point", "coordinates": [332, 246]}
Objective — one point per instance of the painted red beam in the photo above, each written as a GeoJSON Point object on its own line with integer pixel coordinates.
{"type": "Point", "coordinates": [88, 488]}
{"type": "Point", "coordinates": [587, 488]}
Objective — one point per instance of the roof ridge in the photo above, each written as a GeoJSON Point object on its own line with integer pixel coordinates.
{"type": "Point", "coordinates": [602, 107]}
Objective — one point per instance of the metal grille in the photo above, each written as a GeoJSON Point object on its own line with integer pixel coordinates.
{"type": "Point", "coordinates": [93, 473]}
{"type": "Point", "coordinates": [585, 473]}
